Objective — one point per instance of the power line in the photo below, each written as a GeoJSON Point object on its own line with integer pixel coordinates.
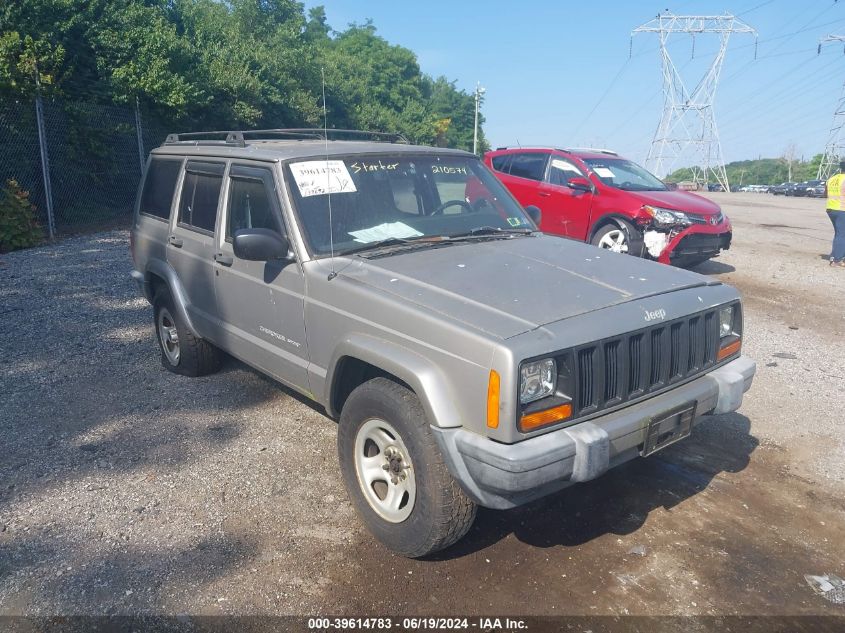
{"type": "Point", "coordinates": [776, 97]}
{"type": "Point", "coordinates": [600, 99]}
{"type": "Point", "coordinates": [754, 8]}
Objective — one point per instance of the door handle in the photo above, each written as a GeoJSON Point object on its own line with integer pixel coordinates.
{"type": "Point", "coordinates": [223, 260]}
{"type": "Point", "coordinates": [543, 194]}
{"type": "Point", "coordinates": [175, 241]}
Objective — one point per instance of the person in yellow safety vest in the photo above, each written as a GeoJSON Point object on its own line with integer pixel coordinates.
{"type": "Point", "coordinates": [835, 188]}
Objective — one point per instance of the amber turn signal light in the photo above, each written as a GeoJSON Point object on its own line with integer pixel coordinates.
{"type": "Point", "coordinates": [493, 400]}
{"type": "Point", "coordinates": [729, 349]}
{"type": "Point", "coordinates": [531, 421]}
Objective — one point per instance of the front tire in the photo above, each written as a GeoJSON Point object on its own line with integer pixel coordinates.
{"type": "Point", "coordinates": [394, 472]}
{"type": "Point", "coordinates": [619, 237]}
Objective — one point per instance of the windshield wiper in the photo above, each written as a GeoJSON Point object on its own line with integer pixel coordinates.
{"type": "Point", "coordinates": [396, 242]}
{"type": "Point", "coordinates": [489, 231]}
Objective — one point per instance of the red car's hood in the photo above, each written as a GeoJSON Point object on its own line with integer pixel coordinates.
{"type": "Point", "coordinates": [678, 200]}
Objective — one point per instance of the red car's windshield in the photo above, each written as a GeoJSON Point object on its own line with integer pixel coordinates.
{"type": "Point", "coordinates": [624, 174]}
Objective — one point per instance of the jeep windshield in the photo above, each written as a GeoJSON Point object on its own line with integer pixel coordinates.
{"type": "Point", "coordinates": [623, 174]}
{"type": "Point", "coordinates": [364, 202]}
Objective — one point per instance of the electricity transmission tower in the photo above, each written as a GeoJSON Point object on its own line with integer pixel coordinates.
{"type": "Point", "coordinates": [834, 149]}
{"type": "Point", "coordinates": [688, 120]}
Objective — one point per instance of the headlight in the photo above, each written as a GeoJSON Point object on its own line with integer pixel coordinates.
{"type": "Point", "coordinates": [667, 217]}
{"type": "Point", "coordinates": [537, 380]}
{"type": "Point", "coordinates": [726, 321]}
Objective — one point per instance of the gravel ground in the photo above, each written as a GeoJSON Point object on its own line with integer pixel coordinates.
{"type": "Point", "coordinates": [126, 489]}
{"type": "Point", "coordinates": [129, 489]}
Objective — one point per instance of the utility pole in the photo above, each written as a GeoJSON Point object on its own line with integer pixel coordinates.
{"type": "Point", "coordinates": [45, 158]}
{"type": "Point", "coordinates": [688, 119]}
{"type": "Point", "coordinates": [139, 134]}
{"type": "Point", "coordinates": [834, 149]}
{"type": "Point", "coordinates": [478, 92]}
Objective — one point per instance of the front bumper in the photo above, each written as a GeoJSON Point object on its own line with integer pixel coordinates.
{"type": "Point", "coordinates": [697, 245]}
{"type": "Point", "coordinates": [507, 475]}
{"type": "Point", "coordinates": [698, 241]}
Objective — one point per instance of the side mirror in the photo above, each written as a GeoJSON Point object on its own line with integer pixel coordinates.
{"type": "Point", "coordinates": [579, 184]}
{"type": "Point", "coordinates": [534, 213]}
{"type": "Point", "coordinates": [259, 245]}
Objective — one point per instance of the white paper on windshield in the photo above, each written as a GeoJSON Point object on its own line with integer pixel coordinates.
{"type": "Point", "coordinates": [563, 165]}
{"type": "Point", "coordinates": [398, 230]}
{"type": "Point", "coordinates": [604, 172]}
{"type": "Point", "coordinates": [319, 177]}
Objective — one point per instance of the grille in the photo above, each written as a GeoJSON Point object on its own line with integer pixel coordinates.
{"type": "Point", "coordinates": [705, 219]}
{"type": "Point", "coordinates": [628, 367]}
{"type": "Point", "coordinates": [701, 244]}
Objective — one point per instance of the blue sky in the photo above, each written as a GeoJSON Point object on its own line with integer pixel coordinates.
{"type": "Point", "coordinates": [559, 72]}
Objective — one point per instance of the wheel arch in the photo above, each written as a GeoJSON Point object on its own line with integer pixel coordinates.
{"type": "Point", "coordinates": [616, 219]}
{"type": "Point", "coordinates": [610, 218]}
{"type": "Point", "coordinates": [160, 274]}
{"type": "Point", "coordinates": [361, 358]}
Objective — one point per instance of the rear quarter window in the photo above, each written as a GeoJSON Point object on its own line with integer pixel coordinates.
{"type": "Point", "coordinates": [501, 163]}
{"type": "Point", "coordinates": [532, 166]}
{"type": "Point", "coordinates": [159, 186]}
{"type": "Point", "coordinates": [200, 194]}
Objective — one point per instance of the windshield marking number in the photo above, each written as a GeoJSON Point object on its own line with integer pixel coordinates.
{"type": "Point", "coordinates": [380, 166]}
{"type": "Point", "coordinates": [319, 177]}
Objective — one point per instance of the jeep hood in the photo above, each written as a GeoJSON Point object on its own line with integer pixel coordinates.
{"type": "Point", "coordinates": [508, 287]}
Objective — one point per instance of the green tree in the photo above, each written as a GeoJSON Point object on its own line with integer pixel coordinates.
{"type": "Point", "coordinates": [213, 64]}
{"type": "Point", "coordinates": [26, 64]}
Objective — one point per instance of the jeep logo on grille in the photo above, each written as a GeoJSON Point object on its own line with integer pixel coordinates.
{"type": "Point", "coordinates": [655, 315]}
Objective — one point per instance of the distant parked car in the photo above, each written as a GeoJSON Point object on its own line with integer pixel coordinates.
{"type": "Point", "coordinates": [780, 190]}
{"type": "Point", "coordinates": [790, 190]}
{"type": "Point", "coordinates": [803, 189]}
{"type": "Point", "coordinates": [687, 185]}
{"type": "Point", "coordinates": [715, 186]}
{"type": "Point", "coordinates": [817, 191]}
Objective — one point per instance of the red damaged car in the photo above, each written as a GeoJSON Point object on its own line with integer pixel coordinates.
{"type": "Point", "coordinates": [599, 197]}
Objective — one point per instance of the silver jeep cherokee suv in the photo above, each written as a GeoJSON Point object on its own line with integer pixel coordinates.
{"type": "Point", "coordinates": [471, 360]}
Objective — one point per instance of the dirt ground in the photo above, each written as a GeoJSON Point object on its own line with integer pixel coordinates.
{"type": "Point", "coordinates": [127, 490]}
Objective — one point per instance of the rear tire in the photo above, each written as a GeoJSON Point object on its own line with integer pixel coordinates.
{"type": "Point", "coordinates": [394, 472]}
{"type": "Point", "coordinates": [181, 351]}
{"type": "Point", "coordinates": [619, 236]}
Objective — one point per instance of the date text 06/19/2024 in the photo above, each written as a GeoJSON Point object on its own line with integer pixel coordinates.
{"type": "Point", "coordinates": [416, 624]}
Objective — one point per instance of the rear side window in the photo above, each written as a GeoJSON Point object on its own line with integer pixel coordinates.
{"type": "Point", "coordinates": [159, 186]}
{"type": "Point", "coordinates": [531, 166]}
{"type": "Point", "coordinates": [501, 163]}
{"type": "Point", "coordinates": [200, 192]}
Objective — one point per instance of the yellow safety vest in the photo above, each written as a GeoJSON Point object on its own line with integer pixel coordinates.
{"type": "Point", "coordinates": [836, 193]}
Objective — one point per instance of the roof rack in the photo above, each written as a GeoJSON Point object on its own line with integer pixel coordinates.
{"type": "Point", "coordinates": [597, 150]}
{"type": "Point", "coordinates": [556, 149]}
{"type": "Point", "coordinates": [238, 138]}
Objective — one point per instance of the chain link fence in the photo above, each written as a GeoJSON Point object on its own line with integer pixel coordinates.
{"type": "Point", "coordinates": [82, 163]}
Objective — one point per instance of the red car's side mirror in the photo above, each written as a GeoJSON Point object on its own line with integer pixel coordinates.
{"type": "Point", "coordinates": [579, 183]}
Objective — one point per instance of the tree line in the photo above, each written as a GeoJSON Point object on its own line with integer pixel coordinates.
{"type": "Point", "coordinates": [233, 64]}
{"type": "Point", "coordinates": [761, 171]}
